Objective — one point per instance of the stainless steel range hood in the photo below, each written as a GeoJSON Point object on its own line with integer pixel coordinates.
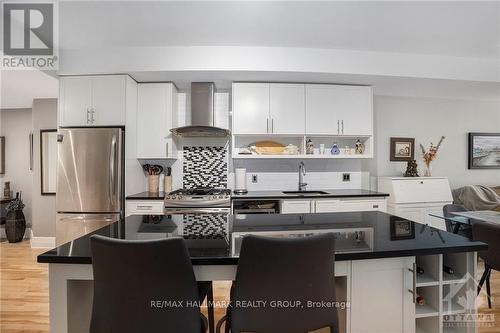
{"type": "Point", "coordinates": [202, 113]}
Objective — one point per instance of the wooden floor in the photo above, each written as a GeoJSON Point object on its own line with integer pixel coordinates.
{"type": "Point", "coordinates": [24, 292]}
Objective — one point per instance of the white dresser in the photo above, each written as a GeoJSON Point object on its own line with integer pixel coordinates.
{"type": "Point", "coordinates": [416, 198]}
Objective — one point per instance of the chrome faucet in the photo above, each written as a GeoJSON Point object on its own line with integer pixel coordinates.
{"type": "Point", "coordinates": [302, 173]}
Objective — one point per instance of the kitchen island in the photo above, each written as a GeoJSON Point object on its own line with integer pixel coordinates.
{"type": "Point", "coordinates": [377, 256]}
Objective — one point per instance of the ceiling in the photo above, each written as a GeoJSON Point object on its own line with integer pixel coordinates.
{"type": "Point", "coordinates": [18, 88]}
{"type": "Point", "coordinates": [452, 28]}
{"type": "Point", "coordinates": [382, 85]}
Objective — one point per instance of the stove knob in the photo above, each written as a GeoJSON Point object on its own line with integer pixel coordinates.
{"type": "Point", "coordinates": [167, 197]}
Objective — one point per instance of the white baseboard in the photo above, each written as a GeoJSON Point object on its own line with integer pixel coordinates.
{"type": "Point", "coordinates": [27, 233]}
{"type": "Point", "coordinates": [42, 242]}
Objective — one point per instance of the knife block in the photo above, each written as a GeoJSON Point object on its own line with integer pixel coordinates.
{"type": "Point", "coordinates": [154, 183]}
{"type": "Point", "coordinates": [168, 184]}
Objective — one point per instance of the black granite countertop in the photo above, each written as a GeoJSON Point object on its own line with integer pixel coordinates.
{"type": "Point", "coordinates": [147, 196]}
{"type": "Point", "coordinates": [215, 239]}
{"type": "Point", "coordinates": [277, 194]}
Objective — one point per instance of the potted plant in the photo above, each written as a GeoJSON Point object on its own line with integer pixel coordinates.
{"type": "Point", "coordinates": [15, 223]}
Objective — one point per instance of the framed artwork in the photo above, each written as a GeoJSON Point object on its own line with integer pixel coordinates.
{"type": "Point", "coordinates": [484, 150]}
{"type": "Point", "coordinates": [2, 155]}
{"type": "Point", "coordinates": [402, 149]}
{"type": "Point", "coordinates": [48, 161]}
{"type": "Point", "coordinates": [402, 229]}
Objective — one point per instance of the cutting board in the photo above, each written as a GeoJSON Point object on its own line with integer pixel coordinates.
{"type": "Point", "coordinates": [269, 148]}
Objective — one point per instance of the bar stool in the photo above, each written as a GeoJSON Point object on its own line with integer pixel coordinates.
{"type": "Point", "coordinates": [144, 286]}
{"type": "Point", "coordinates": [488, 233]}
{"type": "Point", "coordinates": [284, 286]}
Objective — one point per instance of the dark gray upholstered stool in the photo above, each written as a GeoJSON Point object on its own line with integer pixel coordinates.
{"type": "Point", "coordinates": [145, 286]}
{"type": "Point", "coordinates": [294, 271]}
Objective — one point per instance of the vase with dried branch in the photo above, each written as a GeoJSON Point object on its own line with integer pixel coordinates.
{"type": "Point", "coordinates": [430, 155]}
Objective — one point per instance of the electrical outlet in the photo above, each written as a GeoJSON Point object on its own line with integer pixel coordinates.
{"type": "Point", "coordinates": [254, 178]}
{"type": "Point", "coordinates": [346, 177]}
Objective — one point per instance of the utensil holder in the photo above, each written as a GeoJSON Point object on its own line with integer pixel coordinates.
{"type": "Point", "coordinates": [154, 183]}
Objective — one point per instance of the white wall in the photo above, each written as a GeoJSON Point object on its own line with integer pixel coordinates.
{"type": "Point", "coordinates": [43, 206]}
{"type": "Point", "coordinates": [16, 127]}
{"type": "Point", "coordinates": [427, 120]}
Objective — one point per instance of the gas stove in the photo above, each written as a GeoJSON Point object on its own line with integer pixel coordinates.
{"type": "Point", "coordinates": [199, 200]}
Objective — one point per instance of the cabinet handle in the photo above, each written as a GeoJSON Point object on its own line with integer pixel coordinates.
{"type": "Point", "coordinates": [144, 207]}
{"type": "Point", "coordinates": [342, 126]}
{"type": "Point", "coordinates": [338, 126]}
{"type": "Point", "coordinates": [92, 110]}
{"type": "Point", "coordinates": [88, 114]}
{"type": "Point", "coordinates": [413, 291]}
{"type": "Point", "coordinates": [267, 125]}
{"type": "Point", "coordinates": [272, 125]}
{"type": "Point", "coordinates": [166, 148]}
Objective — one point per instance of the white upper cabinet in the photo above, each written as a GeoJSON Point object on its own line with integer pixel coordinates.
{"type": "Point", "coordinates": [320, 114]}
{"type": "Point", "coordinates": [287, 108]}
{"type": "Point", "coordinates": [75, 100]}
{"type": "Point", "coordinates": [93, 100]}
{"type": "Point", "coordinates": [108, 95]}
{"type": "Point", "coordinates": [338, 110]}
{"type": "Point", "coordinates": [156, 115]}
{"type": "Point", "coordinates": [263, 108]}
{"type": "Point", "coordinates": [251, 108]}
{"type": "Point", "coordinates": [354, 109]}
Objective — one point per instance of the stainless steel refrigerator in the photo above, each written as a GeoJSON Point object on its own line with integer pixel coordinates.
{"type": "Point", "coordinates": [90, 185]}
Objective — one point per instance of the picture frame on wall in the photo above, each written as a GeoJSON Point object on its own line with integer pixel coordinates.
{"type": "Point", "coordinates": [402, 149]}
{"type": "Point", "coordinates": [484, 150]}
{"type": "Point", "coordinates": [2, 155]}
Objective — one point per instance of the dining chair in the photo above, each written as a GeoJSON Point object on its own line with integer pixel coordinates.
{"type": "Point", "coordinates": [456, 227]}
{"type": "Point", "coordinates": [297, 272]}
{"type": "Point", "coordinates": [145, 286]}
{"type": "Point", "coordinates": [490, 234]}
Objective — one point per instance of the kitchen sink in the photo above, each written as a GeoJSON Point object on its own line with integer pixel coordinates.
{"type": "Point", "coordinates": [304, 192]}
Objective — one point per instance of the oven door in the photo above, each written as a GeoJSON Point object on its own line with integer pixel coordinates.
{"type": "Point", "coordinates": [198, 210]}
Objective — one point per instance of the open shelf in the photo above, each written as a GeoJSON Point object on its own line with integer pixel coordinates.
{"type": "Point", "coordinates": [426, 310]}
{"type": "Point", "coordinates": [346, 144]}
{"type": "Point", "coordinates": [453, 278]}
{"type": "Point", "coordinates": [427, 325]}
{"type": "Point", "coordinates": [447, 296]}
{"type": "Point", "coordinates": [302, 156]}
{"type": "Point", "coordinates": [455, 308]}
{"type": "Point", "coordinates": [432, 300]}
{"type": "Point", "coordinates": [425, 280]}
{"type": "Point", "coordinates": [430, 264]}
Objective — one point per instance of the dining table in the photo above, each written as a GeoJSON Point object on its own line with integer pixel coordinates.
{"type": "Point", "coordinates": [491, 216]}
{"type": "Point", "coordinates": [465, 219]}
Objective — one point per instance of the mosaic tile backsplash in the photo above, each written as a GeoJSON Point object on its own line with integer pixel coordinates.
{"type": "Point", "coordinates": [204, 167]}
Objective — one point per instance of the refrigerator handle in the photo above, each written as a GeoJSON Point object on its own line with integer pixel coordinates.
{"type": "Point", "coordinates": [113, 167]}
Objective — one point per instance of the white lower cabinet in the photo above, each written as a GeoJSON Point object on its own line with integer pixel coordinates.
{"type": "Point", "coordinates": [296, 206]}
{"type": "Point", "coordinates": [326, 206]}
{"type": "Point", "coordinates": [380, 297]}
{"type": "Point", "coordinates": [144, 207]}
{"type": "Point", "coordinates": [299, 206]}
